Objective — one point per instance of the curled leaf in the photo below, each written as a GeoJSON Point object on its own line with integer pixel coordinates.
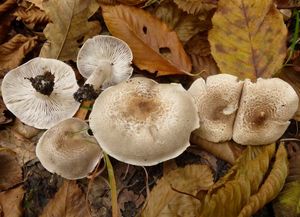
{"type": "Point", "coordinates": [11, 202]}
{"type": "Point", "coordinates": [13, 52]}
{"type": "Point", "coordinates": [248, 38]}
{"type": "Point", "coordinates": [151, 40]}
{"type": "Point", "coordinates": [196, 6]}
{"type": "Point", "coordinates": [66, 35]}
{"type": "Point", "coordinates": [165, 199]}
{"type": "Point", "coordinates": [31, 16]}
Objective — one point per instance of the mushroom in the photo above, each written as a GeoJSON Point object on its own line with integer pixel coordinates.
{"type": "Point", "coordinates": [217, 101]}
{"type": "Point", "coordinates": [264, 111]}
{"type": "Point", "coordinates": [104, 61]}
{"type": "Point", "coordinates": [68, 150]}
{"type": "Point", "coordinates": [40, 92]}
{"type": "Point", "coordinates": [142, 122]}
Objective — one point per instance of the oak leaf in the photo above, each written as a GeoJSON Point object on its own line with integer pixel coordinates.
{"type": "Point", "coordinates": [165, 199]}
{"type": "Point", "coordinates": [13, 52]}
{"type": "Point", "coordinates": [155, 47]}
{"type": "Point", "coordinates": [248, 38]}
{"type": "Point", "coordinates": [11, 202]}
{"type": "Point", "coordinates": [196, 6]}
{"type": "Point", "coordinates": [69, 201]}
{"type": "Point", "coordinates": [31, 16]}
{"type": "Point", "coordinates": [69, 28]}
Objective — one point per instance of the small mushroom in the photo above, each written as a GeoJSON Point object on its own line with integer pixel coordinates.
{"type": "Point", "coordinates": [264, 111]}
{"type": "Point", "coordinates": [68, 150]}
{"type": "Point", "coordinates": [142, 122]}
{"type": "Point", "coordinates": [104, 61]}
{"type": "Point", "coordinates": [40, 92]}
{"type": "Point", "coordinates": [217, 101]}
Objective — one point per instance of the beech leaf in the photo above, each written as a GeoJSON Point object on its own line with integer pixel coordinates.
{"type": "Point", "coordinates": [196, 6]}
{"type": "Point", "coordinates": [13, 52]}
{"type": "Point", "coordinates": [69, 28]}
{"type": "Point", "coordinates": [167, 202]}
{"type": "Point", "coordinates": [155, 47]}
{"type": "Point", "coordinates": [11, 202]}
{"type": "Point", "coordinates": [69, 201]}
{"type": "Point", "coordinates": [248, 38]}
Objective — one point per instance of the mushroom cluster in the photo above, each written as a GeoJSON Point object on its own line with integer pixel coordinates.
{"type": "Point", "coordinates": [249, 113]}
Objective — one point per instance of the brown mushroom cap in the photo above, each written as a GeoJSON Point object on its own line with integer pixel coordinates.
{"type": "Point", "coordinates": [68, 150]}
{"type": "Point", "coordinates": [217, 102]}
{"type": "Point", "coordinates": [142, 122]}
{"type": "Point", "coordinates": [264, 111]}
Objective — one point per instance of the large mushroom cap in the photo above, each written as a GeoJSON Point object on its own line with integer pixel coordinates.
{"type": "Point", "coordinates": [34, 108]}
{"type": "Point", "coordinates": [217, 101]}
{"type": "Point", "coordinates": [68, 150]}
{"type": "Point", "coordinates": [103, 49]}
{"type": "Point", "coordinates": [264, 112]}
{"type": "Point", "coordinates": [142, 122]}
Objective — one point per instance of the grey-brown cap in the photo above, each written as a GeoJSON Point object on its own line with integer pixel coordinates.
{"type": "Point", "coordinates": [264, 111]}
{"type": "Point", "coordinates": [68, 150]}
{"type": "Point", "coordinates": [217, 101]}
{"type": "Point", "coordinates": [142, 122]}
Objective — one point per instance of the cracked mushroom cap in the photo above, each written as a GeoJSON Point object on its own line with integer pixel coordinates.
{"type": "Point", "coordinates": [68, 150]}
{"type": "Point", "coordinates": [141, 122]}
{"type": "Point", "coordinates": [102, 49]}
{"type": "Point", "coordinates": [40, 92]}
{"type": "Point", "coordinates": [217, 101]}
{"type": "Point", "coordinates": [264, 111]}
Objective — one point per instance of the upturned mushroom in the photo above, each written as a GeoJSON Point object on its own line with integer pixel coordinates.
{"type": "Point", "coordinates": [40, 92]}
{"type": "Point", "coordinates": [217, 102]}
{"type": "Point", "coordinates": [142, 122]}
{"type": "Point", "coordinates": [104, 61]}
{"type": "Point", "coordinates": [264, 111]}
{"type": "Point", "coordinates": [68, 150]}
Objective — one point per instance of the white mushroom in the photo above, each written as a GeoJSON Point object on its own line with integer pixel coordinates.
{"type": "Point", "coordinates": [68, 150]}
{"type": "Point", "coordinates": [142, 122]}
{"type": "Point", "coordinates": [40, 92]}
{"type": "Point", "coordinates": [104, 61]}
{"type": "Point", "coordinates": [264, 111]}
{"type": "Point", "coordinates": [217, 101]}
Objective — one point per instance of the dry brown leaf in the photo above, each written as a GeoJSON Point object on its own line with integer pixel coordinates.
{"type": "Point", "coordinates": [10, 170]}
{"type": "Point", "coordinates": [69, 201]}
{"type": "Point", "coordinates": [69, 28]}
{"type": "Point", "coordinates": [4, 118]}
{"type": "Point", "coordinates": [196, 6]}
{"type": "Point", "coordinates": [167, 202]}
{"type": "Point", "coordinates": [6, 6]}
{"type": "Point", "coordinates": [155, 48]}
{"type": "Point", "coordinates": [132, 2]}
{"type": "Point", "coordinates": [37, 3]}
{"type": "Point", "coordinates": [31, 16]}
{"type": "Point", "coordinates": [11, 202]}
{"type": "Point", "coordinates": [287, 4]}
{"type": "Point", "coordinates": [271, 186]}
{"type": "Point", "coordinates": [25, 130]}
{"type": "Point", "coordinates": [107, 2]}
{"type": "Point", "coordinates": [248, 38]}
{"type": "Point", "coordinates": [13, 52]}
{"type": "Point", "coordinates": [5, 26]}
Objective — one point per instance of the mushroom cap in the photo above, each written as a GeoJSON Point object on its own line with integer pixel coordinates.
{"type": "Point", "coordinates": [217, 102]}
{"type": "Point", "coordinates": [36, 109]}
{"type": "Point", "coordinates": [104, 48]}
{"type": "Point", "coordinates": [264, 111]}
{"type": "Point", "coordinates": [68, 150]}
{"type": "Point", "coordinates": [142, 122]}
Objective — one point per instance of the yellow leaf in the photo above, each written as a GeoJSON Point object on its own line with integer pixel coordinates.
{"type": "Point", "coordinates": [248, 38]}
{"type": "Point", "coordinates": [13, 52]}
{"type": "Point", "coordinates": [31, 16]}
{"type": "Point", "coordinates": [11, 202]}
{"type": "Point", "coordinates": [10, 170]}
{"type": "Point", "coordinates": [69, 28]}
{"type": "Point", "coordinates": [69, 201]}
{"type": "Point", "coordinates": [167, 202]}
{"type": "Point", "coordinates": [196, 6]}
{"type": "Point", "coordinates": [271, 186]}
{"type": "Point", "coordinates": [154, 46]}
{"type": "Point", "coordinates": [6, 6]}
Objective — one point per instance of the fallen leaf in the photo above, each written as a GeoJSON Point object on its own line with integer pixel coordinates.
{"type": "Point", "coordinates": [11, 202]}
{"type": "Point", "coordinates": [37, 3]}
{"type": "Point", "coordinates": [131, 2]}
{"type": "Point", "coordinates": [6, 6]}
{"type": "Point", "coordinates": [69, 28]}
{"type": "Point", "coordinates": [151, 40]}
{"type": "Point", "coordinates": [4, 117]}
{"type": "Point", "coordinates": [69, 201]}
{"type": "Point", "coordinates": [248, 38]}
{"type": "Point", "coordinates": [287, 4]}
{"type": "Point", "coordinates": [108, 2]}
{"type": "Point", "coordinates": [31, 16]}
{"type": "Point", "coordinates": [5, 26]}
{"type": "Point", "coordinates": [25, 130]}
{"type": "Point", "coordinates": [271, 186]}
{"type": "Point", "coordinates": [165, 201]}
{"type": "Point", "coordinates": [196, 6]}
{"type": "Point", "coordinates": [10, 170]}
{"type": "Point", "coordinates": [13, 52]}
